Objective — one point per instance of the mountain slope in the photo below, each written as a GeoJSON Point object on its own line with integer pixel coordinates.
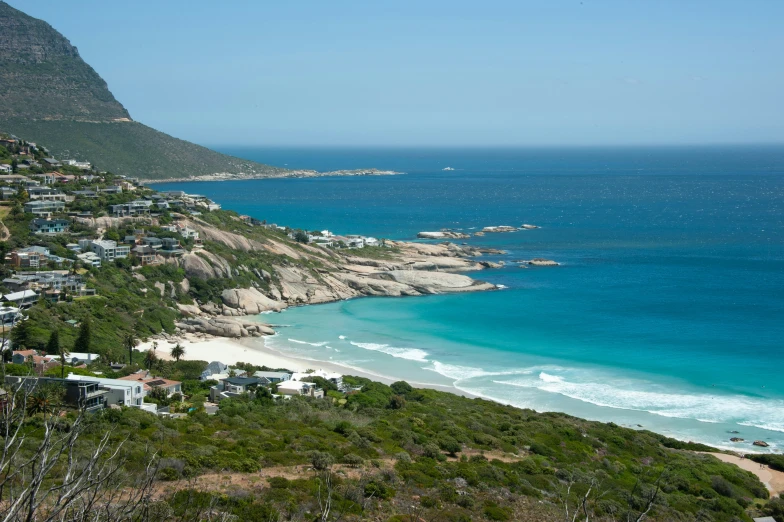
{"type": "Point", "coordinates": [49, 94]}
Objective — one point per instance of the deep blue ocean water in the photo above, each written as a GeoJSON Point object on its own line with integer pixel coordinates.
{"type": "Point", "coordinates": [667, 311]}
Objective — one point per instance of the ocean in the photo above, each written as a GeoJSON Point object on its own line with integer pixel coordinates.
{"type": "Point", "coordinates": [667, 311]}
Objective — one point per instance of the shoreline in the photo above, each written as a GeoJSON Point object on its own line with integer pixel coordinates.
{"type": "Point", "coordinates": [255, 350]}
{"type": "Point", "coordinates": [250, 350]}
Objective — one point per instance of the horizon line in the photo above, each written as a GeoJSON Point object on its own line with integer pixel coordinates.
{"type": "Point", "coordinates": [499, 146]}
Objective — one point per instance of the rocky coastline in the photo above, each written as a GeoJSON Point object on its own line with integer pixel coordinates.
{"type": "Point", "coordinates": [411, 269]}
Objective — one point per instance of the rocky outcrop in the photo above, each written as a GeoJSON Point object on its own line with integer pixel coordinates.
{"type": "Point", "coordinates": [435, 282]}
{"type": "Point", "coordinates": [250, 301]}
{"type": "Point", "coordinates": [526, 226]}
{"type": "Point", "coordinates": [500, 228]}
{"type": "Point", "coordinates": [443, 234]}
{"type": "Point", "coordinates": [736, 439]}
{"type": "Point", "coordinates": [223, 327]}
{"type": "Point", "coordinates": [760, 443]}
{"type": "Point", "coordinates": [539, 262]}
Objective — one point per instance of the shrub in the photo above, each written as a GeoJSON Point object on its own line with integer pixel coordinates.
{"type": "Point", "coordinates": [321, 461]}
{"type": "Point", "coordinates": [401, 387]}
{"type": "Point", "coordinates": [494, 512]}
{"type": "Point", "coordinates": [279, 482]}
{"type": "Point", "coordinates": [449, 444]}
{"type": "Point", "coordinates": [353, 460]}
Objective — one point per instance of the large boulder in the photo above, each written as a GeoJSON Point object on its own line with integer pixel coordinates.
{"type": "Point", "coordinates": [250, 300]}
{"type": "Point", "coordinates": [435, 282]}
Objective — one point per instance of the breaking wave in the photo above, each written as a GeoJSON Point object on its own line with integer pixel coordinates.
{"type": "Point", "coordinates": [631, 395]}
{"type": "Point", "coordinates": [412, 354]}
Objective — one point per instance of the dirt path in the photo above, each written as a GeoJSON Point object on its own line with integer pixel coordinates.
{"type": "Point", "coordinates": [773, 480]}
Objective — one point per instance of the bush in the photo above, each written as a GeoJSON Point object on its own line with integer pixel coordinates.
{"type": "Point", "coordinates": [449, 444]}
{"type": "Point", "coordinates": [401, 387]}
{"type": "Point", "coordinates": [494, 512]}
{"type": "Point", "coordinates": [279, 482]}
{"type": "Point", "coordinates": [353, 460]}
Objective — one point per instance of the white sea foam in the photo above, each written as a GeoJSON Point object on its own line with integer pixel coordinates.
{"type": "Point", "coordinates": [412, 354]}
{"type": "Point", "coordinates": [324, 343]}
{"type": "Point", "coordinates": [341, 337]}
{"type": "Point", "coordinates": [642, 396]}
{"type": "Point", "coordinates": [460, 373]}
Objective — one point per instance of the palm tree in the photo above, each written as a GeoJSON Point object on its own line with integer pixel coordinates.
{"type": "Point", "coordinates": [150, 359]}
{"type": "Point", "coordinates": [178, 352]}
{"type": "Point", "coordinates": [130, 342]}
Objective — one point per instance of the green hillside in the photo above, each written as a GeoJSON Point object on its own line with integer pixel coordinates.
{"type": "Point", "coordinates": [49, 94]}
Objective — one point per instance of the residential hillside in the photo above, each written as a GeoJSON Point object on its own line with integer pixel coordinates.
{"type": "Point", "coordinates": [49, 94]}
{"type": "Point", "coordinates": [95, 262]}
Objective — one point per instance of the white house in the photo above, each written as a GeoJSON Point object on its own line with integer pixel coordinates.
{"type": "Point", "coordinates": [300, 388]}
{"type": "Point", "coordinates": [121, 393]}
{"type": "Point", "coordinates": [109, 250]}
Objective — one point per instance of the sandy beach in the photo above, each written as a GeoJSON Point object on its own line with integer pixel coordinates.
{"type": "Point", "coordinates": [254, 351]}
{"type": "Point", "coordinates": [773, 480]}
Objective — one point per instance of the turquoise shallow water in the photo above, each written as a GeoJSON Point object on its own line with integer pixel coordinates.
{"type": "Point", "coordinates": [668, 311]}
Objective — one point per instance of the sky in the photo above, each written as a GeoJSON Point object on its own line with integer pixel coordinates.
{"type": "Point", "coordinates": [438, 73]}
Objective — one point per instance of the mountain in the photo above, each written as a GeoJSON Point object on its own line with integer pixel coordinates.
{"type": "Point", "coordinates": [49, 94]}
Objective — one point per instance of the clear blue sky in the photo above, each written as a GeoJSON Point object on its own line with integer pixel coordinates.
{"type": "Point", "coordinates": [448, 72]}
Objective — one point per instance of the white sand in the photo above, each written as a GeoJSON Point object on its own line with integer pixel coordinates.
{"type": "Point", "coordinates": [253, 350]}
{"type": "Point", "coordinates": [227, 351]}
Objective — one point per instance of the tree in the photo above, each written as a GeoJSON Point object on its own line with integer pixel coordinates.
{"type": "Point", "coordinates": [53, 347]}
{"type": "Point", "coordinates": [300, 236]}
{"type": "Point", "coordinates": [130, 342]}
{"type": "Point", "coordinates": [21, 334]}
{"type": "Point", "coordinates": [84, 339]}
{"type": "Point", "coordinates": [150, 359]}
{"type": "Point", "coordinates": [178, 352]}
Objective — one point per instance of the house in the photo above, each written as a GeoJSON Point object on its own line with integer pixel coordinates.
{"type": "Point", "coordinates": [78, 164]}
{"type": "Point", "coordinates": [49, 226]}
{"type": "Point", "coordinates": [273, 377]}
{"type": "Point", "coordinates": [73, 247]}
{"type": "Point", "coordinates": [108, 250]}
{"type": "Point", "coordinates": [85, 395]}
{"type": "Point", "coordinates": [23, 356]}
{"type": "Point", "coordinates": [147, 255]}
{"type": "Point", "coordinates": [45, 194]}
{"type": "Point", "coordinates": [81, 358]}
{"type": "Point", "coordinates": [145, 378]}
{"type": "Point", "coordinates": [214, 368]}
{"type": "Point", "coordinates": [188, 233]}
{"type": "Point", "coordinates": [333, 377]}
{"type": "Point", "coordinates": [121, 392]}
{"type": "Point", "coordinates": [89, 194]}
{"type": "Point", "coordinates": [233, 387]}
{"type": "Point", "coordinates": [89, 258]}
{"type": "Point", "coordinates": [300, 388]}
{"type": "Point", "coordinates": [134, 208]}
{"type": "Point", "coordinates": [152, 242]}
{"type": "Point", "coordinates": [171, 247]}
{"type": "Point", "coordinates": [46, 178]}
{"type": "Point", "coordinates": [112, 189]}
{"type": "Point", "coordinates": [31, 257]}
{"type": "Point", "coordinates": [9, 315]}
{"type": "Point", "coordinates": [7, 193]}
{"type": "Point", "coordinates": [5, 168]}
{"type": "Point", "coordinates": [63, 178]}
{"type": "Point", "coordinates": [52, 162]}
{"type": "Point", "coordinates": [24, 299]}
{"type": "Point", "coordinates": [44, 208]}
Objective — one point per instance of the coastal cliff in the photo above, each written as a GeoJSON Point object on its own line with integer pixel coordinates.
{"type": "Point", "coordinates": [304, 274]}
